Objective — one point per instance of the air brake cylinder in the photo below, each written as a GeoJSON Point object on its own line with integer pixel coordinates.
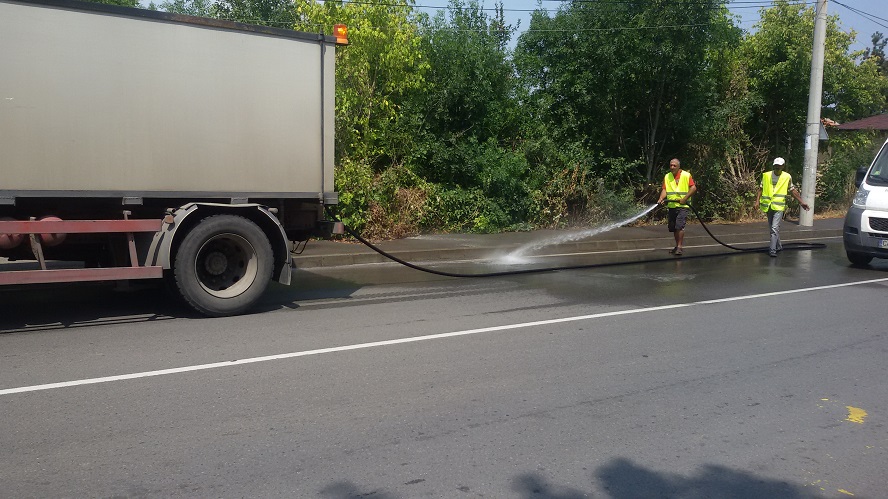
{"type": "Point", "coordinates": [9, 241]}
{"type": "Point", "coordinates": [51, 240]}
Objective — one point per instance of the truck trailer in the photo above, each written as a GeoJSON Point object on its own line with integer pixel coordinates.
{"type": "Point", "coordinates": [146, 144]}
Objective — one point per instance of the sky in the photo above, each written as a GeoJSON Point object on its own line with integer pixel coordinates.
{"type": "Point", "coordinates": [748, 10]}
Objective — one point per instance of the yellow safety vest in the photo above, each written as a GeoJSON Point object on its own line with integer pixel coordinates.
{"type": "Point", "coordinates": [677, 190]}
{"type": "Point", "coordinates": [776, 199]}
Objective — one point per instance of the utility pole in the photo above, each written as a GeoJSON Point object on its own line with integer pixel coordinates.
{"type": "Point", "coordinates": [812, 130]}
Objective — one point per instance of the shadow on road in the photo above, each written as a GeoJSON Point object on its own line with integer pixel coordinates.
{"type": "Point", "coordinates": [72, 305]}
{"type": "Point", "coordinates": [348, 489]}
{"type": "Point", "coordinates": [43, 307]}
{"type": "Point", "coordinates": [621, 479]}
{"type": "Point", "coordinates": [624, 479]}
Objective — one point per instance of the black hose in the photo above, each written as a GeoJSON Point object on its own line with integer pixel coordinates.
{"type": "Point", "coordinates": [788, 246]}
{"type": "Point", "coordinates": [793, 246]}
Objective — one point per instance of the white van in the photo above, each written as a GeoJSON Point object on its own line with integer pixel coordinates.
{"type": "Point", "coordinates": [866, 225]}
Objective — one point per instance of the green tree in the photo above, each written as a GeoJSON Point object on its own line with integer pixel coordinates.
{"type": "Point", "coordinates": [778, 60]}
{"type": "Point", "coordinates": [620, 77]}
{"type": "Point", "coordinates": [720, 145]}
{"type": "Point", "coordinates": [380, 65]}
{"type": "Point", "coordinates": [877, 52]}
{"type": "Point", "coordinates": [759, 106]}
{"type": "Point", "coordinates": [469, 87]}
{"type": "Point", "coordinates": [274, 13]}
{"type": "Point", "coordinates": [200, 8]}
{"type": "Point", "coordinates": [374, 72]}
{"type": "Point", "coordinates": [123, 3]}
{"type": "Point", "coordinates": [466, 117]}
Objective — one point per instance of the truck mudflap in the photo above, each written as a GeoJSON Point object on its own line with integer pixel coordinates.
{"type": "Point", "coordinates": [36, 229]}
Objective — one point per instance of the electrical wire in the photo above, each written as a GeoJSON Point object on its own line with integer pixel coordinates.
{"type": "Point", "coordinates": [753, 4]}
{"type": "Point", "coordinates": [746, 4]}
{"type": "Point", "coordinates": [866, 15]}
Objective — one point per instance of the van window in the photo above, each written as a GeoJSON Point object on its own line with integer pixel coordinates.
{"type": "Point", "coordinates": [879, 172]}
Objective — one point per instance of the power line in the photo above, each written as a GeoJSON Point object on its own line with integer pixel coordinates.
{"type": "Point", "coordinates": [754, 4]}
{"type": "Point", "coordinates": [581, 30]}
{"type": "Point", "coordinates": [869, 17]}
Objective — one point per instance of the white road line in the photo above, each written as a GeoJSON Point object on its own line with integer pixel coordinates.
{"type": "Point", "coordinates": [253, 360]}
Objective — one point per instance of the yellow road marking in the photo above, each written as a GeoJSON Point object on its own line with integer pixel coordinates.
{"type": "Point", "coordinates": [855, 415]}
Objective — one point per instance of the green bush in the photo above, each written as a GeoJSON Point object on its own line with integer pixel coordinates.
{"type": "Point", "coordinates": [583, 188]}
{"type": "Point", "coordinates": [354, 182]}
{"type": "Point", "coordinates": [398, 203]}
{"type": "Point", "coordinates": [495, 181]}
{"type": "Point", "coordinates": [463, 210]}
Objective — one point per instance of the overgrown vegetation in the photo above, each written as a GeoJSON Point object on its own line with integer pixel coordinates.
{"type": "Point", "coordinates": [441, 126]}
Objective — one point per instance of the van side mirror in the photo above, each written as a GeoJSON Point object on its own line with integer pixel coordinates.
{"type": "Point", "coordinates": [860, 175]}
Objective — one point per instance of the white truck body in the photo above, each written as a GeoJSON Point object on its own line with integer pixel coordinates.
{"type": "Point", "coordinates": [110, 113]}
{"type": "Point", "coordinates": [93, 103]}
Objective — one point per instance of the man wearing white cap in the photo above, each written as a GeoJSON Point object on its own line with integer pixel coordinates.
{"type": "Point", "coordinates": [772, 200]}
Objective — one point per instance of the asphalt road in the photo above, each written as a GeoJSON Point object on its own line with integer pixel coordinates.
{"type": "Point", "coordinates": [739, 376]}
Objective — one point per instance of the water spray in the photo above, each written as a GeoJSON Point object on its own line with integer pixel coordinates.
{"type": "Point", "coordinates": [517, 255]}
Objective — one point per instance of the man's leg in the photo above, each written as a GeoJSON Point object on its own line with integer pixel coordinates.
{"type": "Point", "coordinates": [670, 222]}
{"type": "Point", "coordinates": [774, 218]}
{"type": "Point", "coordinates": [680, 221]}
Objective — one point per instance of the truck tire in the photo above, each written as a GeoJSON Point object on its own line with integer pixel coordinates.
{"type": "Point", "coordinates": [859, 259]}
{"type": "Point", "coordinates": [223, 265]}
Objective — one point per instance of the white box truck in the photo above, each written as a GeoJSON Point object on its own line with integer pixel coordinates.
{"type": "Point", "coordinates": [154, 145]}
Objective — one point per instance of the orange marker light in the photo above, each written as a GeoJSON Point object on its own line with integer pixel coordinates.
{"type": "Point", "coordinates": [340, 31]}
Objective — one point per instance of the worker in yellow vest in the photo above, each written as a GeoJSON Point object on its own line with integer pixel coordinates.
{"type": "Point", "coordinates": [772, 200]}
{"type": "Point", "coordinates": [678, 187]}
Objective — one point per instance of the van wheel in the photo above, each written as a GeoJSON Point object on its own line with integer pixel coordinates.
{"type": "Point", "coordinates": [858, 259]}
{"type": "Point", "coordinates": [223, 265]}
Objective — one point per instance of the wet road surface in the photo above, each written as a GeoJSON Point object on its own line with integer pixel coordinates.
{"type": "Point", "coordinates": [732, 376]}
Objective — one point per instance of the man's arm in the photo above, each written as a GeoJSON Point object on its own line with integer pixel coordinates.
{"type": "Point", "coordinates": [795, 194]}
{"type": "Point", "coordinates": [662, 195]}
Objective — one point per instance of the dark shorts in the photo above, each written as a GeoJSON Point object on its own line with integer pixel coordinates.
{"type": "Point", "coordinates": [677, 218]}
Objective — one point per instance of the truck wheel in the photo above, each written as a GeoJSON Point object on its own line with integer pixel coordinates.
{"type": "Point", "coordinates": [223, 265]}
{"type": "Point", "coordinates": [859, 259]}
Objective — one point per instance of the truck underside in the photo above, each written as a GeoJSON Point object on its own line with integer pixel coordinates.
{"type": "Point", "coordinates": [219, 257]}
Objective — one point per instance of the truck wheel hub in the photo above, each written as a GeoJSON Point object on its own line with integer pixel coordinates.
{"type": "Point", "coordinates": [216, 263]}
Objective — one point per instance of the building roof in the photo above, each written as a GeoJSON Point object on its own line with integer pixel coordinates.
{"type": "Point", "coordinates": [877, 122]}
